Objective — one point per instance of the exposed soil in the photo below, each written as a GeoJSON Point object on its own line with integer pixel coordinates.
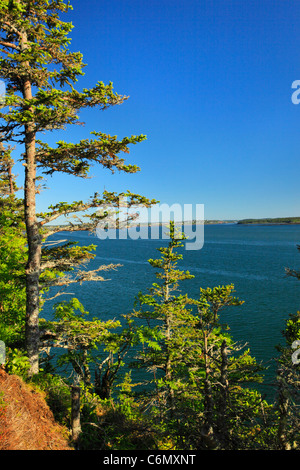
{"type": "Point", "coordinates": [26, 422]}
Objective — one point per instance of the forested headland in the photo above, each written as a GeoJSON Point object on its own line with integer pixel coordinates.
{"type": "Point", "coordinates": [270, 221]}
{"type": "Point", "coordinates": [198, 389]}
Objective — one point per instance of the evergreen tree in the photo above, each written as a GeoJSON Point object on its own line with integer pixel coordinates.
{"type": "Point", "coordinates": [198, 393]}
{"type": "Point", "coordinates": [78, 336]}
{"type": "Point", "coordinates": [288, 381]}
{"type": "Point", "coordinates": [164, 315]}
{"type": "Point", "coordinates": [230, 417]}
{"type": "Point", "coordinates": [40, 73]}
{"type": "Point", "coordinates": [288, 386]}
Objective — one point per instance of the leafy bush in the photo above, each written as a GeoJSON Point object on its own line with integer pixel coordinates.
{"type": "Point", "coordinates": [16, 362]}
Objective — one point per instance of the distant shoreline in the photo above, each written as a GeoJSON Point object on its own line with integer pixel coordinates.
{"type": "Point", "coordinates": [269, 222]}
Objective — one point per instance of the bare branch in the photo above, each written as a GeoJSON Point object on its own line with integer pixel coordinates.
{"type": "Point", "coordinates": [3, 42]}
{"type": "Point", "coordinates": [58, 294]}
{"type": "Point", "coordinates": [82, 276]}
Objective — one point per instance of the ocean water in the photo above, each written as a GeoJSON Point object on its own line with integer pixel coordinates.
{"type": "Point", "coordinates": [252, 257]}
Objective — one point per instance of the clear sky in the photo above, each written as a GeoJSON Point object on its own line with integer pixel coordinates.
{"type": "Point", "coordinates": [210, 85]}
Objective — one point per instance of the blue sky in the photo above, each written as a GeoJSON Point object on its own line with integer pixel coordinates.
{"type": "Point", "coordinates": [210, 85]}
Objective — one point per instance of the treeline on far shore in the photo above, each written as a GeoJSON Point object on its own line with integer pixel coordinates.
{"type": "Point", "coordinates": [277, 220]}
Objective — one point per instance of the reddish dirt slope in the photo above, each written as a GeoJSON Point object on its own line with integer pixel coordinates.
{"type": "Point", "coordinates": [26, 422]}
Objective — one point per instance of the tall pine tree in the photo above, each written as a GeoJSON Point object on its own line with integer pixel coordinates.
{"type": "Point", "coordinates": [40, 73]}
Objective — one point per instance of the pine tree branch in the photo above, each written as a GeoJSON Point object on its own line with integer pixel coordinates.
{"type": "Point", "coordinates": [82, 276]}
{"type": "Point", "coordinates": [7, 26]}
{"type": "Point", "coordinates": [11, 45]}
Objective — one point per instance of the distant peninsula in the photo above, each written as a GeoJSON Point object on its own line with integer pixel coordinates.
{"type": "Point", "coordinates": [271, 221]}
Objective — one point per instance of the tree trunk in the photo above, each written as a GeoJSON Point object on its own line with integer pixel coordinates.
{"type": "Point", "coordinates": [75, 416]}
{"type": "Point", "coordinates": [103, 384]}
{"type": "Point", "coordinates": [10, 179]}
{"type": "Point", "coordinates": [208, 432]}
{"type": "Point", "coordinates": [33, 266]}
{"type": "Point", "coordinates": [86, 370]}
{"type": "Point", "coordinates": [32, 269]}
{"type": "Point", "coordinates": [283, 413]}
{"type": "Point", "coordinates": [208, 400]}
{"type": "Point", "coordinates": [168, 376]}
{"type": "Point", "coordinates": [223, 393]}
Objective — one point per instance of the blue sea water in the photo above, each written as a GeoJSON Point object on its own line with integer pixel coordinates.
{"type": "Point", "coordinates": [252, 257]}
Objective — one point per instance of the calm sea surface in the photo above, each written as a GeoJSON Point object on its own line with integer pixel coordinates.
{"type": "Point", "coordinates": [252, 257]}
